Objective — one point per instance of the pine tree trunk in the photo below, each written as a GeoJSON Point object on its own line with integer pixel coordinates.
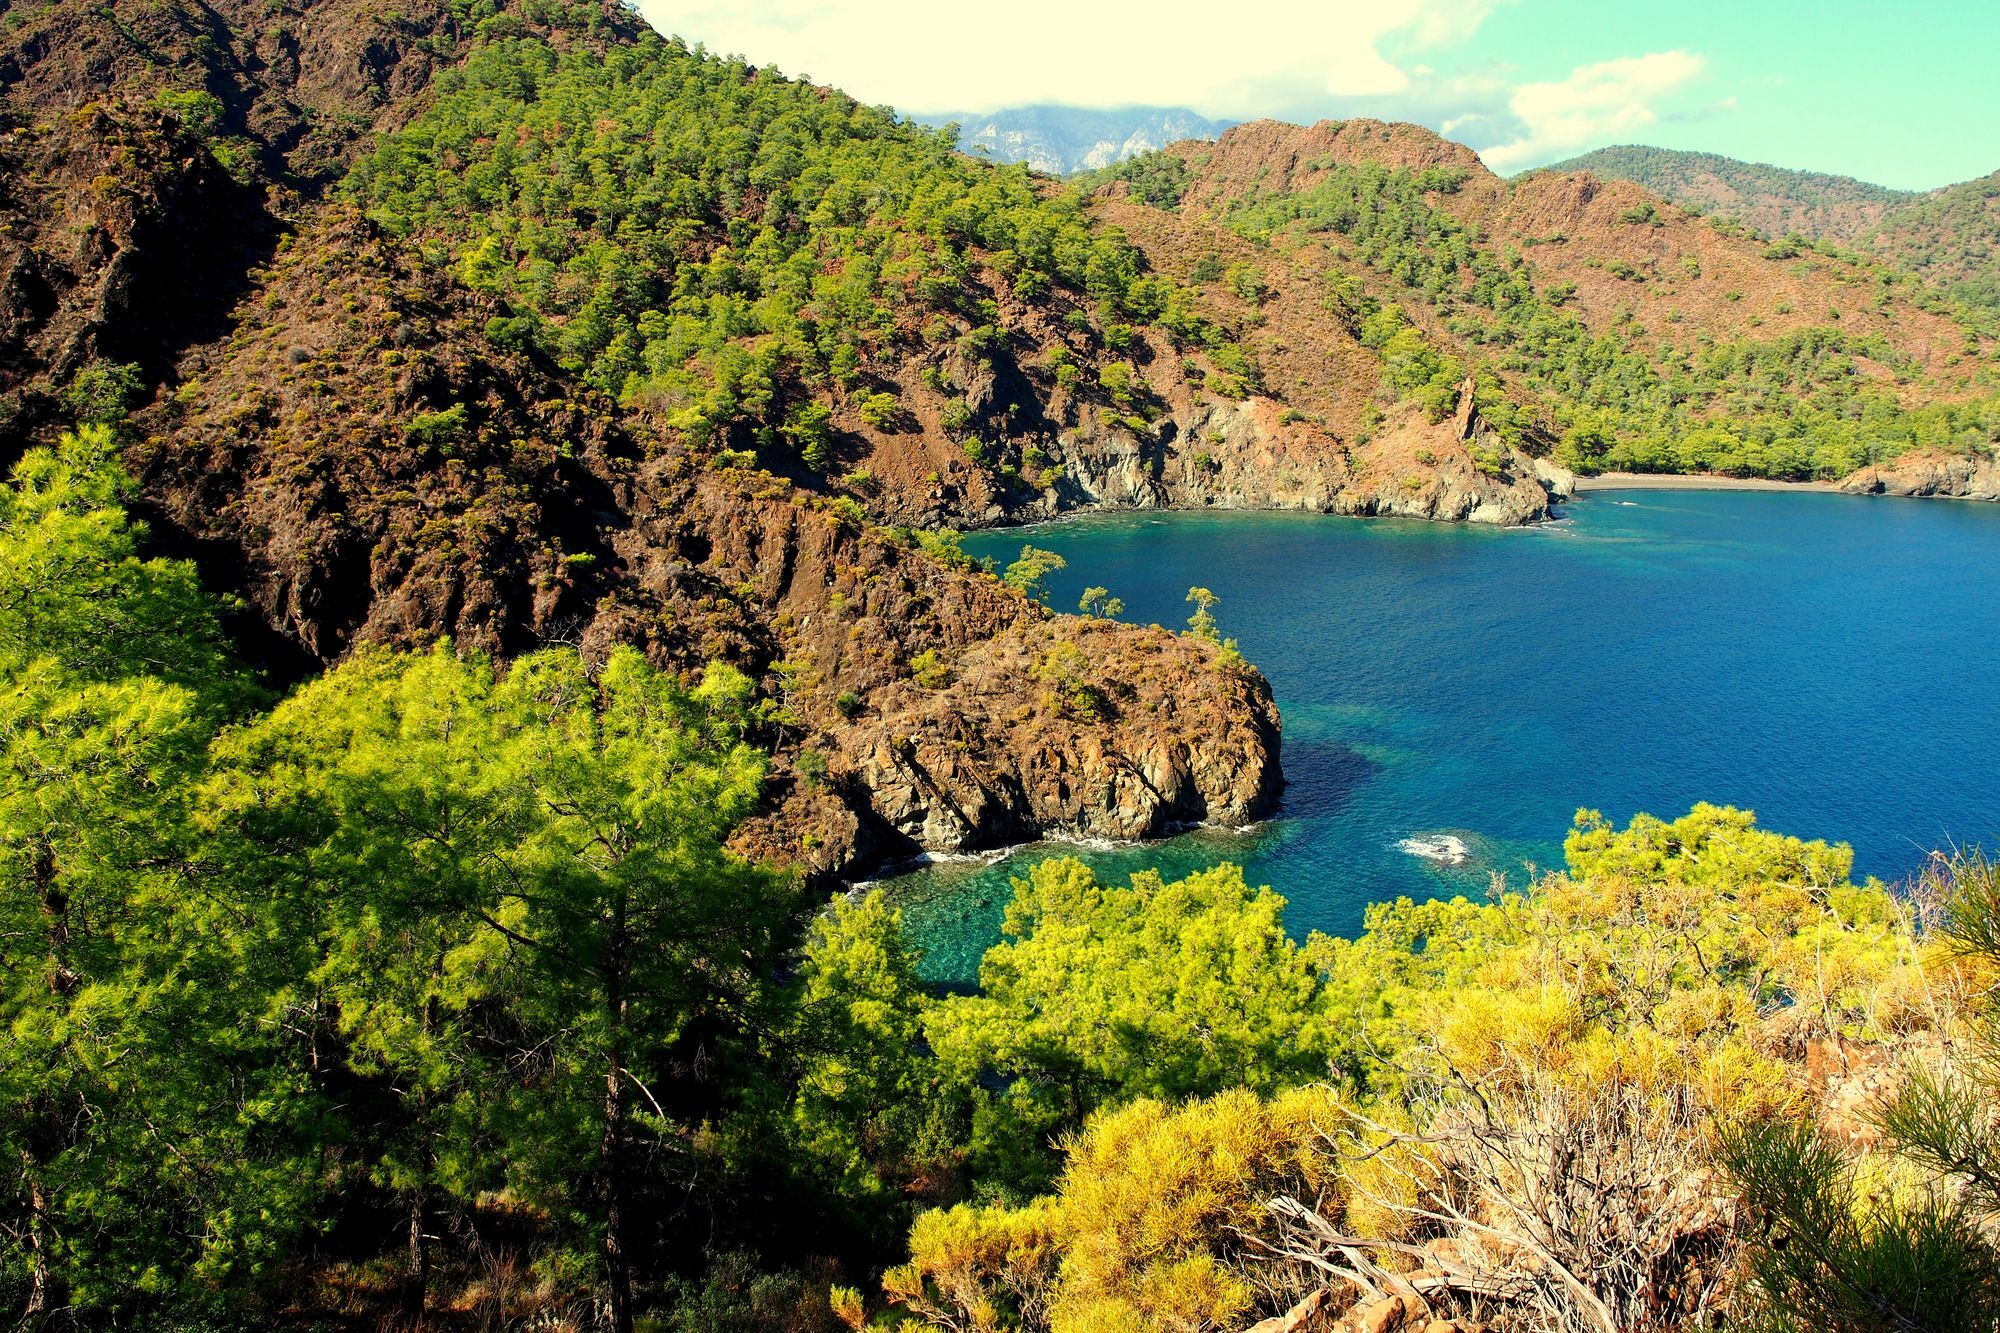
{"type": "Point", "coordinates": [617, 1269]}
{"type": "Point", "coordinates": [617, 1263]}
{"type": "Point", "coordinates": [62, 985]}
{"type": "Point", "coordinates": [417, 1281]}
{"type": "Point", "coordinates": [38, 1246]}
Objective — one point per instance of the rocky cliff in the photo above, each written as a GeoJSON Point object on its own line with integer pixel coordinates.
{"type": "Point", "coordinates": [1926, 473]}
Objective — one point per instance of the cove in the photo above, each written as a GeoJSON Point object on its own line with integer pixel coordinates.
{"type": "Point", "coordinates": [1828, 661]}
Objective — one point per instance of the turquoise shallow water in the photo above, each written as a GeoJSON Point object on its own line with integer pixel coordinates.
{"type": "Point", "coordinates": [1828, 661]}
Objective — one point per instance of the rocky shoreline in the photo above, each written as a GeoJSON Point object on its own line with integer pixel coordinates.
{"type": "Point", "coordinates": [1930, 475]}
{"type": "Point", "coordinates": [1686, 481]}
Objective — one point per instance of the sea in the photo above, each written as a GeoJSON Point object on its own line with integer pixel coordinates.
{"type": "Point", "coordinates": [1453, 695]}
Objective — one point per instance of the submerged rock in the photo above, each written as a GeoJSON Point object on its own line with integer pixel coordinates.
{"type": "Point", "coordinates": [1443, 849]}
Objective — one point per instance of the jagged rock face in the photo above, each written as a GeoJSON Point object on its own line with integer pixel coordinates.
{"type": "Point", "coordinates": [1173, 738]}
{"type": "Point", "coordinates": [102, 211]}
{"type": "Point", "coordinates": [1197, 450]}
{"type": "Point", "coordinates": [1246, 456]}
{"type": "Point", "coordinates": [1953, 476]}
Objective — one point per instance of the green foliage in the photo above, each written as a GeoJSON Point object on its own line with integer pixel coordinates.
{"type": "Point", "coordinates": [1159, 179]}
{"type": "Point", "coordinates": [198, 112]}
{"type": "Point", "coordinates": [869, 1105]}
{"type": "Point", "coordinates": [1030, 574]}
{"type": "Point", "coordinates": [809, 426]}
{"type": "Point", "coordinates": [929, 671]}
{"type": "Point", "coordinates": [1099, 994]}
{"type": "Point", "coordinates": [1835, 1250]}
{"type": "Point", "coordinates": [427, 935]}
{"type": "Point", "coordinates": [1066, 671]}
{"type": "Point", "coordinates": [533, 917]}
{"type": "Point", "coordinates": [1100, 602]}
{"type": "Point", "coordinates": [102, 392]}
{"type": "Point", "coordinates": [1670, 940]}
{"type": "Point", "coordinates": [121, 1136]}
{"type": "Point", "coordinates": [443, 430]}
{"type": "Point", "coordinates": [1247, 281]}
{"type": "Point", "coordinates": [75, 590]}
{"type": "Point", "coordinates": [1128, 1238]}
{"type": "Point", "coordinates": [879, 409]}
{"type": "Point", "coordinates": [1821, 1265]}
{"type": "Point", "coordinates": [944, 546]}
{"type": "Point", "coordinates": [957, 415]}
{"type": "Point", "coordinates": [1654, 976]}
{"type": "Point", "coordinates": [811, 766]}
{"type": "Point", "coordinates": [1119, 381]}
{"type": "Point", "coordinates": [1951, 239]}
{"type": "Point", "coordinates": [1202, 624]}
{"type": "Point", "coordinates": [720, 242]}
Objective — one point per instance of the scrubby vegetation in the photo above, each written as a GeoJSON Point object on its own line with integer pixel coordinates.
{"type": "Point", "coordinates": [1536, 1112]}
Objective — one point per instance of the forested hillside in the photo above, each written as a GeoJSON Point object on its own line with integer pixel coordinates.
{"type": "Point", "coordinates": [1771, 201]}
{"type": "Point", "coordinates": [1602, 325]}
{"type": "Point", "coordinates": [1949, 237]}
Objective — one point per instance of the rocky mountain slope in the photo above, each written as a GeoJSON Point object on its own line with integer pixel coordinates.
{"type": "Point", "coordinates": [151, 154]}
{"type": "Point", "coordinates": [1062, 140]}
{"type": "Point", "coordinates": [1602, 325]}
{"type": "Point", "coordinates": [1772, 201]}
{"type": "Point", "coordinates": [1949, 237]}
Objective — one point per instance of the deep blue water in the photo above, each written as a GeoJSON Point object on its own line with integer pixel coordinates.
{"type": "Point", "coordinates": [1828, 661]}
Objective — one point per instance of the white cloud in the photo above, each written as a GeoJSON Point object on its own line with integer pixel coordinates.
{"type": "Point", "coordinates": [1254, 58]}
{"type": "Point", "coordinates": [1444, 22]}
{"type": "Point", "coordinates": [1596, 104]}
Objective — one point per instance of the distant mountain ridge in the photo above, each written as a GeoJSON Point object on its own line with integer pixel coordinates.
{"type": "Point", "coordinates": [1063, 140]}
{"type": "Point", "coordinates": [1773, 200]}
{"type": "Point", "coordinates": [1950, 237]}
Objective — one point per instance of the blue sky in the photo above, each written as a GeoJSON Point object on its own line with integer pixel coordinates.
{"type": "Point", "coordinates": [1901, 92]}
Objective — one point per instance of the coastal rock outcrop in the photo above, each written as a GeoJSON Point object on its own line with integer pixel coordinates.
{"type": "Point", "coordinates": [1082, 728]}
{"type": "Point", "coordinates": [1928, 473]}
{"type": "Point", "coordinates": [1248, 455]}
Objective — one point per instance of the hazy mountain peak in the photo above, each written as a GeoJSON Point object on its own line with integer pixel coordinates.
{"type": "Point", "coordinates": [1065, 139]}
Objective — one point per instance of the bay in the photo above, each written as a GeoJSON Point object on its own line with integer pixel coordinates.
{"type": "Point", "coordinates": [1828, 661]}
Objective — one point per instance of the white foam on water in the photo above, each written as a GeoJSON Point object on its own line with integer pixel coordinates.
{"type": "Point", "coordinates": [1445, 849]}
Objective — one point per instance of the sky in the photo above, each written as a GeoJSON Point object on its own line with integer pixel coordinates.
{"type": "Point", "coordinates": [1899, 92]}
